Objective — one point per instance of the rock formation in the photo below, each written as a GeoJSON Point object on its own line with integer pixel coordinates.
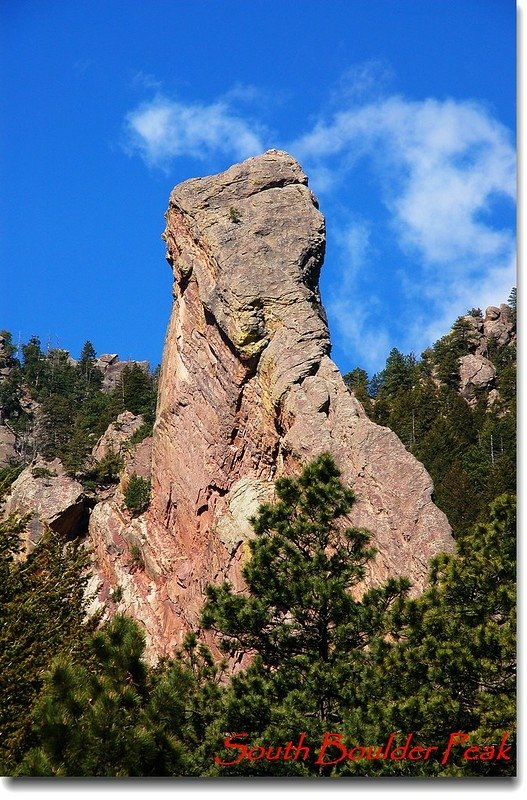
{"type": "Point", "coordinates": [112, 369]}
{"type": "Point", "coordinates": [476, 371]}
{"type": "Point", "coordinates": [7, 446]}
{"type": "Point", "coordinates": [117, 434]}
{"type": "Point", "coordinates": [247, 393]}
{"type": "Point", "coordinates": [50, 498]}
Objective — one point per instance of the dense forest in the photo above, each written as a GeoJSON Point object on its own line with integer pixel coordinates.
{"type": "Point", "coordinates": [314, 657]}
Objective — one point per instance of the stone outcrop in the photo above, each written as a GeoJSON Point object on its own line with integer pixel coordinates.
{"type": "Point", "coordinates": [497, 323]}
{"type": "Point", "coordinates": [51, 498]}
{"type": "Point", "coordinates": [112, 369]}
{"type": "Point", "coordinates": [247, 393]}
{"type": "Point", "coordinates": [117, 435]}
{"type": "Point", "coordinates": [476, 371]}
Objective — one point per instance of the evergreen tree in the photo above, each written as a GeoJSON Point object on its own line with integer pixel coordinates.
{"type": "Point", "coordinates": [58, 411]}
{"type": "Point", "coordinates": [357, 381]}
{"type": "Point", "coordinates": [454, 666]}
{"type": "Point", "coordinates": [449, 349]}
{"type": "Point", "coordinates": [34, 362]}
{"type": "Point", "coordinates": [135, 391]}
{"type": "Point", "coordinates": [300, 621]}
{"type": "Point", "coordinates": [42, 610]}
{"type": "Point", "coordinates": [137, 494]}
{"type": "Point", "coordinates": [399, 374]}
{"type": "Point", "coordinates": [91, 376]}
{"type": "Point", "coordinates": [113, 716]}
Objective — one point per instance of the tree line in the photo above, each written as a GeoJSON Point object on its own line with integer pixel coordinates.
{"type": "Point", "coordinates": [57, 407]}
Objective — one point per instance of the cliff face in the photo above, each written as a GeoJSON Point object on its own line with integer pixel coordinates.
{"type": "Point", "coordinates": [247, 393]}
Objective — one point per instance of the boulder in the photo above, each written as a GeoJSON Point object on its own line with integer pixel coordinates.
{"type": "Point", "coordinates": [117, 435]}
{"type": "Point", "coordinates": [51, 498]}
{"type": "Point", "coordinates": [475, 372]}
{"type": "Point", "coordinates": [112, 369]}
{"type": "Point", "coordinates": [499, 325]}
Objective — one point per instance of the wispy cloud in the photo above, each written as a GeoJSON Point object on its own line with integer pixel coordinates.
{"type": "Point", "coordinates": [361, 81]}
{"type": "Point", "coordinates": [162, 129]}
{"type": "Point", "coordinates": [355, 322]}
{"type": "Point", "coordinates": [440, 166]}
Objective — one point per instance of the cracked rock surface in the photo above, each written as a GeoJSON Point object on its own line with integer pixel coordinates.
{"type": "Point", "coordinates": [247, 393]}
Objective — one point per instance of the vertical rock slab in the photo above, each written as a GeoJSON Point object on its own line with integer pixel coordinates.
{"type": "Point", "coordinates": [248, 392]}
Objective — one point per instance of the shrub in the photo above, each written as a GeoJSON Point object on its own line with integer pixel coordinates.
{"type": "Point", "coordinates": [137, 494]}
{"type": "Point", "coordinates": [234, 214]}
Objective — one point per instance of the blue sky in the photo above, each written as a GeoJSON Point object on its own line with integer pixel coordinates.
{"type": "Point", "coordinates": [401, 113]}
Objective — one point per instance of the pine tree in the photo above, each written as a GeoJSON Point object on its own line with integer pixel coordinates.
{"type": "Point", "coordinates": [43, 605]}
{"type": "Point", "coordinates": [135, 392]}
{"type": "Point", "coordinates": [300, 621]}
{"type": "Point", "coordinates": [454, 666]}
{"type": "Point", "coordinates": [113, 716]}
{"type": "Point", "coordinates": [357, 381]}
{"type": "Point", "coordinates": [91, 376]}
{"type": "Point", "coordinates": [399, 373]}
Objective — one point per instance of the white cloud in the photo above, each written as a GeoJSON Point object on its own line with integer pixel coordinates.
{"type": "Point", "coordinates": [355, 320]}
{"type": "Point", "coordinates": [440, 166]}
{"type": "Point", "coordinates": [163, 129]}
{"type": "Point", "coordinates": [362, 79]}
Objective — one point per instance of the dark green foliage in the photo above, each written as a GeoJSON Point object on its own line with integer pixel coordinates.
{"type": "Point", "coordinates": [8, 352]}
{"type": "Point", "coordinates": [10, 407]}
{"type": "Point", "coordinates": [34, 363]}
{"type": "Point", "coordinates": [8, 476]}
{"type": "Point", "coordinates": [42, 610]}
{"type": "Point", "coordinates": [137, 494]}
{"type": "Point", "coordinates": [43, 472]}
{"type": "Point", "coordinates": [141, 434]}
{"type": "Point", "coordinates": [10, 384]}
{"type": "Point", "coordinates": [75, 411]}
{"type": "Point", "coordinates": [90, 375]}
{"type": "Point", "coordinates": [105, 472]}
{"type": "Point", "coordinates": [59, 415]}
{"type": "Point", "coordinates": [136, 392]}
{"type": "Point", "coordinates": [309, 634]}
{"type": "Point", "coordinates": [469, 451]}
{"type": "Point", "coordinates": [453, 667]}
{"type": "Point", "coordinates": [136, 557]}
{"type": "Point", "coordinates": [400, 373]}
{"type": "Point", "coordinates": [357, 381]}
{"type": "Point", "coordinates": [116, 717]}
{"type": "Point", "coordinates": [449, 349]}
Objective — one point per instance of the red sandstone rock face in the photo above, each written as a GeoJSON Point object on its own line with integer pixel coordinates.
{"type": "Point", "coordinates": [248, 392]}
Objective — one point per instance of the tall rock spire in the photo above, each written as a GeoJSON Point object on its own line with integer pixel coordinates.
{"type": "Point", "coordinates": [248, 392]}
